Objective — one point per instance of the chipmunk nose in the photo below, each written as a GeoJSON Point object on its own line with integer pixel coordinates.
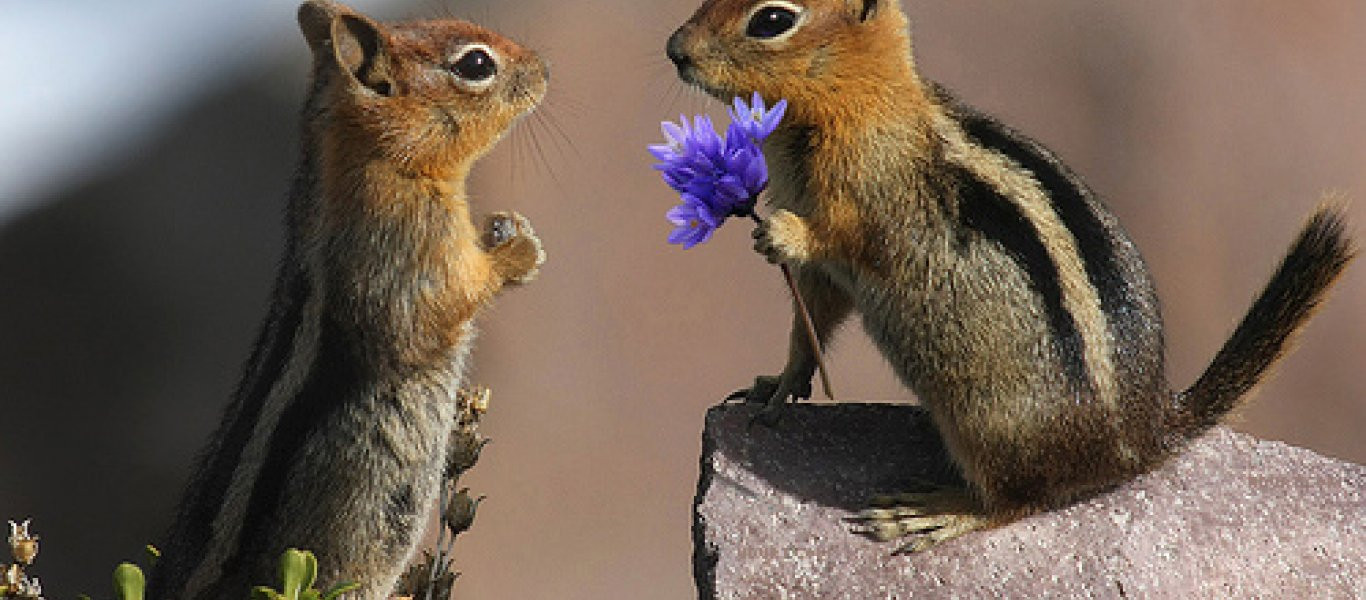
{"type": "Point", "coordinates": [675, 49]}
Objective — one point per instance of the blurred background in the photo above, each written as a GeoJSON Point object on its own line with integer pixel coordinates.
{"type": "Point", "coordinates": [146, 147]}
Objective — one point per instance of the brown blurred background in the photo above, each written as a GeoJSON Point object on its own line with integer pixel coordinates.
{"type": "Point", "coordinates": [132, 281]}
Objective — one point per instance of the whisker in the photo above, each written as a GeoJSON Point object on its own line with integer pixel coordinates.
{"type": "Point", "coordinates": [540, 152]}
{"type": "Point", "coordinates": [679, 96]}
{"type": "Point", "coordinates": [548, 117]}
{"type": "Point", "coordinates": [520, 155]}
{"type": "Point", "coordinates": [564, 99]}
{"type": "Point", "coordinates": [665, 90]}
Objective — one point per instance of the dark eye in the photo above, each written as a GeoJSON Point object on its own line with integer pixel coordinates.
{"type": "Point", "coordinates": [474, 65]}
{"type": "Point", "coordinates": [770, 22]}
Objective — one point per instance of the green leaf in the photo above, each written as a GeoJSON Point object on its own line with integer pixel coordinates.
{"type": "Point", "coordinates": [262, 592]}
{"type": "Point", "coordinates": [312, 565]}
{"type": "Point", "coordinates": [153, 555]}
{"type": "Point", "coordinates": [339, 589]}
{"type": "Point", "coordinates": [129, 584]}
{"type": "Point", "coordinates": [298, 569]}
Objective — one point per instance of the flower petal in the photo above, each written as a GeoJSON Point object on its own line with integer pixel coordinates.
{"type": "Point", "coordinates": [673, 132]}
{"type": "Point", "coordinates": [737, 137]}
{"type": "Point", "coordinates": [700, 235]}
{"type": "Point", "coordinates": [732, 187]}
{"type": "Point", "coordinates": [680, 215]}
{"type": "Point", "coordinates": [680, 235]}
{"type": "Point", "coordinates": [663, 152]}
{"type": "Point", "coordinates": [770, 119]}
{"type": "Point", "coordinates": [739, 111]}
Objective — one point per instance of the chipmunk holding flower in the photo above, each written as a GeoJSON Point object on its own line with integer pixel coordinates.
{"type": "Point", "coordinates": [1001, 290]}
{"type": "Point", "coordinates": [339, 432]}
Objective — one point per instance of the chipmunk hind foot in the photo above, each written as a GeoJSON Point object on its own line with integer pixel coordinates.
{"type": "Point", "coordinates": [927, 518]}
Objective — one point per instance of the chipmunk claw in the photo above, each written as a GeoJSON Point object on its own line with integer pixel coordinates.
{"type": "Point", "coordinates": [499, 228]}
{"type": "Point", "coordinates": [774, 392]}
{"type": "Point", "coordinates": [927, 518]}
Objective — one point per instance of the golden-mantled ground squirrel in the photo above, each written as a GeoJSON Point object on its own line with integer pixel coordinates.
{"type": "Point", "coordinates": [1001, 290]}
{"type": "Point", "coordinates": [337, 437]}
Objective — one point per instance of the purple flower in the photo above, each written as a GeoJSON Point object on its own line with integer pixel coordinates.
{"type": "Point", "coordinates": [716, 177]}
{"type": "Point", "coordinates": [694, 222]}
{"type": "Point", "coordinates": [753, 119]}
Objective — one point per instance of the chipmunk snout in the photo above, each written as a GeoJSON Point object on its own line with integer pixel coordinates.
{"type": "Point", "coordinates": [676, 51]}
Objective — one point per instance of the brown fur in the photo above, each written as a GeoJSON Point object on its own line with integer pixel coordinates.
{"type": "Point", "coordinates": [1312, 265]}
{"type": "Point", "coordinates": [1000, 289]}
{"type": "Point", "coordinates": [338, 435]}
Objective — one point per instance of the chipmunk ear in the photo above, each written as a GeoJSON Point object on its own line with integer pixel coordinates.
{"type": "Point", "coordinates": [351, 41]}
{"type": "Point", "coordinates": [315, 21]}
{"type": "Point", "coordinates": [362, 51]}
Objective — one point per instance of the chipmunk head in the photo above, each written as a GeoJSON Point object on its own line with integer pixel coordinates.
{"type": "Point", "coordinates": [818, 54]}
{"type": "Point", "coordinates": [430, 97]}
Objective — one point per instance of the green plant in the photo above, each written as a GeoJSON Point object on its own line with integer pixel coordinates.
{"type": "Point", "coordinates": [298, 572]}
{"type": "Point", "coordinates": [129, 583]}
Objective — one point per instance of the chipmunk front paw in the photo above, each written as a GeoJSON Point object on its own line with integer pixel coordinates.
{"type": "Point", "coordinates": [783, 238]}
{"type": "Point", "coordinates": [516, 250]}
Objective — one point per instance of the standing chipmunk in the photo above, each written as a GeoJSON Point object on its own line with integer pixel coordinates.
{"type": "Point", "coordinates": [338, 434]}
{"type": "Point", "coordinates": [993, 280]}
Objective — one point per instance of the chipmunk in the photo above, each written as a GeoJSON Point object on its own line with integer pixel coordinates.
{"type": "Point", "coordinates": [1000, 289]}
{"type": "Point", "coordinates": [338, 433]}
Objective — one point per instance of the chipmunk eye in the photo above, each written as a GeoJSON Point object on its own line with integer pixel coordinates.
{"type": "Point", "coordinates": [475, 65]}
{"type": "Point", "coordinates": [771, 21]}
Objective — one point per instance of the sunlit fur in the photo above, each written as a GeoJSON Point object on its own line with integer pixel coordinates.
{"type": "Point", "coordinates": [1000, 289]}
{"type": "Point", "coordinates": [337, 436]}
{"type": "Point", "coordinates": [831, 56]}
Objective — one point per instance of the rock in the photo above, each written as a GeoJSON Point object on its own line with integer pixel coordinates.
{"type": "Point", "coordinates": [1230, 517]}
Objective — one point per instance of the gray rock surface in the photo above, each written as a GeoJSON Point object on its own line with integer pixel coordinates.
{"type": "Point", "coordinates": [1232, 517]}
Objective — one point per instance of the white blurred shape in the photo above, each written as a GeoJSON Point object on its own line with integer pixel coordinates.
{"type": "Point", "coordinates": [84, 79]}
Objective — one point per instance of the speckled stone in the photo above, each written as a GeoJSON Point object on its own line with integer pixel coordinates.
{"type": "Point", "coordinates": [1232, 517]}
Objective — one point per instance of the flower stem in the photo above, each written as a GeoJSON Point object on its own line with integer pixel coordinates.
{"type": "Point", "coordinates": [805, 313]}
{"type": "Point", "coordinates": [438, 555]}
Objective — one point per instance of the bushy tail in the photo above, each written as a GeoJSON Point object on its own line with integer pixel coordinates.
{"type": "Point", "coordinates": [1314, 262]}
